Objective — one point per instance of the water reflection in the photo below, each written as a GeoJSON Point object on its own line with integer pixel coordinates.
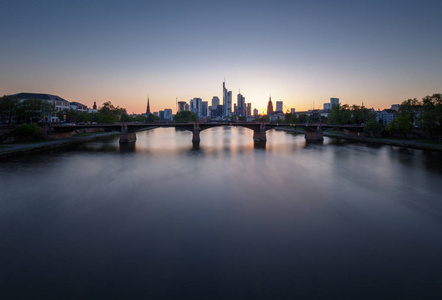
{"type": "Point", "coordinates": [229, 219]}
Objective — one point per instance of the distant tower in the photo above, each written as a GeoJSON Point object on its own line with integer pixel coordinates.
{"type": "Point", "coordinates": [148, 107]}
{"type": "Point", "coordinates": [270, 106]}
{"type": "Point", "coordinates": [334, 101]}
{"type": "Point", "coordinates": [95, 105]}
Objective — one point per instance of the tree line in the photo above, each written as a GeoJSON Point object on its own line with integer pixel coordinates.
{"type": "Point", "coordinates": [425, 114]}
{"type": "Point", "coordinates": [13, 111]}
{"type": "Point", "coordinates": [28, 111]}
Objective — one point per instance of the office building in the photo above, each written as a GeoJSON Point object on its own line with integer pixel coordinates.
{"type": "Point", "coordinates": [227, 101]}
{"type": "Point", "coordinates": [58, 103]}
{"type": "Point", "coordinates": [204, 106]}
{"type": "Point", "coordinates": [215, 102]}
{"type": "Point", "coordinates": [270, 106]}
{"type": "Point", "coordinates": [241, 105]}
{"type": "Point", "coordinates": [167, 114]}
{"type": "Point", "coordinates": [279, 106]}
{"type": "Point", "coordinates": [181, 105]}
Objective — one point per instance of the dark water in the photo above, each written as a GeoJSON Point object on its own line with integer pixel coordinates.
{"type": "Point", "coordinates": [230, 220]}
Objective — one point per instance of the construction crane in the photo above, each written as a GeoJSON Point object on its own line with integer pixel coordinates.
{"type": "Point", "coordinates": [286, 109]}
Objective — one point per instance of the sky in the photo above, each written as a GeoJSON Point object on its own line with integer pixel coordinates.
{"type": "Point", "coordinates": [300, 52]}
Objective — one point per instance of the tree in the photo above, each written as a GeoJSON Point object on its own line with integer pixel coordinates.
{"type": "Point", "coordinates": [373, 126]}
{"type": "Point", "coordinates": [315, 117]}
{"type": "Point", "coordinates": [34, 110]}
{"type": "Point", "coordinates": [73, 116]}
{"type": "Point", "coordinates": [185, 116]}
{"type": "Point", "coordinates": [125, 118]}
{"type": "Point", "coordinates": [302, 118]}
{"type": "Point", "coordinates": [360, 115]}
{"type": "Point", "coordinates": [108, 113]}
{"type": "Point", "coordinates": [431, 116]}
{"type": "Point", "coordinates": [8, 108]}
{"type": "Point", "coordinates": [339, 114]}
{"type": "Point", "coordinates": [410, 108]}
{"type": "Point", "coordinates": [151, 118]}
{"type": "Point", "coordinates": [140, 118]}
{"type": "Point", "coordinates": [260, 118]}
{"type": "Point", "coordinates": [27, 131]}
{"type": "Point", "coordinates": [401, 124]}
{"type": "Point", "coordinates": [291, 118]}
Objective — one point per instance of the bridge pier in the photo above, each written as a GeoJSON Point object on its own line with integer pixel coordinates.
{"type": "Point", "coordinates": [127, 136]}
{"type": "Point", "coordinates": [314, 136]}
{"type": "Point", "coordinates": [196, 136]}
{"type": "Point", "coordinates": [259, 135]}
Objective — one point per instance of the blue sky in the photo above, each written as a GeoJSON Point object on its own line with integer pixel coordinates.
{"type": "Point", "coordinates": [301, 52]}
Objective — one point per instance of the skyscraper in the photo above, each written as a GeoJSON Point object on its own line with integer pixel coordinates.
{"type": "Point", "coordinates": [215, 102]}
{"type": "Point", "coordinates": [249, 109]}
{"type": "Point", "coordinates": [227, 101]}
{"type": "Point", "coordinates": [270, 106]}
{"type": "Point", "coordinates": [225, 97]}
{"type": "Point", "coordinates": [181, 105]}
{"type": "Point", "coordinates": [241, 105]}
{"type": "Point", "coordinates": [334, 101]}
{"type": "Point", "coordinates": [279, 106]}
{"type": "Point", "coordinates": [204, 105]}
{"type": "Point", "coordinates": [167, 114]}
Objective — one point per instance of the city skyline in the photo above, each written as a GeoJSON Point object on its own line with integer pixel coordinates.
{"type": "Point", "coordinates": [378, 53]}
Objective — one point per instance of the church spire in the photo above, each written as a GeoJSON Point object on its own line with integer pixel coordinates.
{"type": "Point", "coordinates": [148, 107]}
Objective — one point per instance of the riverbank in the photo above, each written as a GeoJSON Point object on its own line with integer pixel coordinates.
{"type": "Point", "coordinates": [17, 149]}
{"type": "Point", "coordinates": [415, 144]}
{"type": "Point", "coordinates": [10, 150]}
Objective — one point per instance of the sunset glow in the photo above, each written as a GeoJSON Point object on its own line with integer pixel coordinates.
{"type": "Point", "coordinates": [303, 53]}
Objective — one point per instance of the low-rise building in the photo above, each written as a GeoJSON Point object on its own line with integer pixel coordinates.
{"type": "Point", "coordinates": [78, 107]}
{"type": "Point", "coordinates": [58, 102]}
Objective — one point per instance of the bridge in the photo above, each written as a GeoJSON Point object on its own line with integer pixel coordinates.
{"type": "Point", "coordinates": [313, 132]}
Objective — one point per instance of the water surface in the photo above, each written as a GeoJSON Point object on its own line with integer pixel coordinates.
{"type": "Point", "coordinates": [229, 219]}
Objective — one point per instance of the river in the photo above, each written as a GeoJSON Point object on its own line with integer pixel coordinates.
{"type": "Point", "coordinates": [226, 220]}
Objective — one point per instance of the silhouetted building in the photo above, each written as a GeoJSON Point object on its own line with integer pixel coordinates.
{"type": "Point", "coordinates": [148, 107]}
{"type": "Point", "coordinates": [249, 109]}
{"type": "Point", "coordinates": [270, 106]}
{"type": "Point", "coordinates": [59, 103]}
{"type": "Point", "coordinates": [334, 101]}
{"type": "Point", "coordinates": [241, 105]}
{"type": "Point", "coordinates": [167, 114]}
{"type": "Point", "coordinates": [215, 102]}
{"type": "Point", "coordinates": [279, 106]}
{"type": "Point", "coordinates": [204, 107]}
{"type": "Point", "coordinates": [181, 105]}
{"type": "Point", "coordinates": [227, 101]}
{"type": "Point", "coordinates": [196, 106]}
{"type": "Point", "coordinates": [78, 107]}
